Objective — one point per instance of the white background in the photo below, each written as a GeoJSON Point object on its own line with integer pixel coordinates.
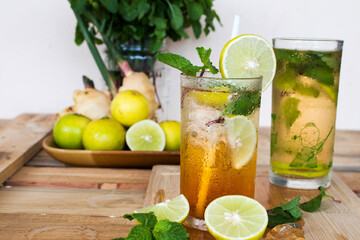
{"type": "Point", "coordinates": [40, 65]}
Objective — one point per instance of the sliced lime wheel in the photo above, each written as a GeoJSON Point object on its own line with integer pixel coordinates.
{"type": "Point", "coordinates": [176, 209]}
{"type": "Point", "coordinates": [248, 56]}
{"type": "Point", "coordinates": [145, 135]}
{"type": "Point", "coordinates": [236, 217]}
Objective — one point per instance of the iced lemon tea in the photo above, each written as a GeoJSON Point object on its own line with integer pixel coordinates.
{"type": "Point", "coordinates": [304, 104]}
{"type": "Point", "coordinates": [219, 129]}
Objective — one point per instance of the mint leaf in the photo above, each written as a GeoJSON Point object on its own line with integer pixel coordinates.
{"type": "Point", "coordinates": [243, 104]}
{"type": "Point", "coordinates": [140, 232]}
{"type": "Point", "coordinates": [284, 213]}
{"type": "Point", "coordinates": [166, 230]}
{"type": "Point", "coordinates": [145, 219]}
{"type": "Point", "coordinates": [321, 73]}
{"type": "Point", "coordinates": [290, 111]}
{"type": "Point", "coordinates": [204, 55]}
{"type": "Point", "coordinates": [315, 203]}
{"type": "Point", "coordinates": [111, 5]}
{"type": "Point", "coordinates": [178, 62]}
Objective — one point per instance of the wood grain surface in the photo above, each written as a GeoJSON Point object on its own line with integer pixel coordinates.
{"type": "Point", "coordinates": [332, 221]}
{"type": "Point", "coordinates": [20, 140]}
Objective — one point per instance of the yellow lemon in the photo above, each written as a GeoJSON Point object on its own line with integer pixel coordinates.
{"type": "Point", "coordinates": [172, 130]}
{"type": "Point", "coordinates": [129, 107]}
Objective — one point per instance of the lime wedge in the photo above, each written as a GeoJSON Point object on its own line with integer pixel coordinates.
{"type": "Point", "coordinates": [248, 56]}
{"type": "Point", "coordinates": [236, 217]}
{"type": "Point", "coordinates": [176, 209]}
{"type": "Point", "coordinates": [211, 98]}
{"type": "Point", "coordinates": [145, 135]}
{"type": "Point", "coordinates": [242, 138]}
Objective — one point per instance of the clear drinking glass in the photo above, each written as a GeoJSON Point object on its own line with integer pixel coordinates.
{"type": "Point", "coordinates": [219, 131]}
{"type": "Point", "coordinates": [304, 100]}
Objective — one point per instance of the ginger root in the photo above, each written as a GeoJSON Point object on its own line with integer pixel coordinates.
{"type": "Point", "coordinates": [139, 81]}
{"type": "Point", "coordinates": [91, 103]}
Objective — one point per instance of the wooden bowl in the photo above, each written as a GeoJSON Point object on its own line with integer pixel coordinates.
{"type": "Point", "coordinates": [125, 158]}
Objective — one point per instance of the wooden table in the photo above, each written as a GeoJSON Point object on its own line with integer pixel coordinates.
{"type": "Point", "coordinates": [45, 199]}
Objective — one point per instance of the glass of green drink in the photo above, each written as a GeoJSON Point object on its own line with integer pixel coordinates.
{"type": "Point", "coordinates": [304, 100]}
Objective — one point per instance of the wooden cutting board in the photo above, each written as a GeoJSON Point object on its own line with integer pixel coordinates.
{"type": "Point", "coordinates": [332, 221]}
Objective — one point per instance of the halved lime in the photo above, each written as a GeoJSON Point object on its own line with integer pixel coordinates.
{"type": "Point", "coordinates": [248, 56]}
{"type": "Point", "coordinates": [176, 209]}
{"type": "Point", "coordinates": [145, 135]}
{"type": "Point", "coordinates": [242, 139]}
{"type": "Point", "coordinates": [236, 217]}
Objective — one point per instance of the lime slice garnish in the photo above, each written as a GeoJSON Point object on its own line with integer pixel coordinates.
{"type": "Point", "coordinates": [242, 139]}
{"type": "Point", "coordinates": [176, 209]}
{"type": "Point", "coordinates": [145, 135]}
{"type": "Point", "coordinates": [211, 98]}
{"type": "Point", "coordinates": [236, 217]}
{"type": "Point", "coordinates": [248, 56]}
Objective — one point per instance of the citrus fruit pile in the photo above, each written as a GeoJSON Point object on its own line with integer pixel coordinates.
{"type": "Point", "coordinates": [128, 126]}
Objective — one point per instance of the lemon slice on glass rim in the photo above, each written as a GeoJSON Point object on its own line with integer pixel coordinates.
{"type": "Point", "coordinates": [248, 55]}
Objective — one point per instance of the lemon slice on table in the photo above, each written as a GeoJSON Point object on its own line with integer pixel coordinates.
{"type": "Point", "coordinates": [145, 135]}
{"type": "Point", "coordinates": [248, 56]}
{"type": "Point", "coordinates": [176, 209]}
{"type": "Point", "coordinates": [242, 139]}
{"type": "Point", "coordinates": [236, 217]}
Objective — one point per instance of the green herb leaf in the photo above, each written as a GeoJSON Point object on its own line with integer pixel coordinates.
{"type": "Point", "coordinates": [178, 62]}
{"type": "Point", "coordinates": [315, 203]}
{"type": "Point", "coordinates": [195, 10]}
{"type": "Point", "coordinates": [166, 230]}
{"type": "Point", "coordinates": [244, 104]}
{"type": "Point", "coordinates": [78, 5]}
{"type": "Point", "coordinates": [140, 232]}
{"type": "Point", "coordinates": [289, 111]}
{"type": "Point", "coordinates": [145, 219]}
{"type": "Point", "coordinates": [79, 37]}
{"type": "Point", "coordinates": [322, 73]}
{"type": "Point", "coordinates": [284, 213]}
{"type": "Point", "coordinates": [176, 16]}
{"type": "Point", "coordinates": [204, 55]}
{"type": "Point", "coordinates": [111, 5]}
{"type": "Point", "coordinates": [196, 26]}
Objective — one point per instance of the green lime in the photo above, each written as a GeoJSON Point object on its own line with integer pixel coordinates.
{"type": "Point", "coordinates": [236, 217]}
{"type": "Point", "coordinates": [242, 139]}
{"type": "Point", "coordinates": [248, 55]}
{"type": "Point", "coordinates": [145, 135]}
{"type": "Point", "coordinates": [104, 134]}
{"type": "Point", "coordinates": [68, 131]}
{"type": "Point", "coordinates": [129, 107]}
{"type": "Point", "coordinates": [172, 130]}
{"type": "Point", "coordinates": [176, 209]}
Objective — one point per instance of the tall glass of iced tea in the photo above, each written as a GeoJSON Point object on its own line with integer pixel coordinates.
{"type": "Point", "coordinates": [219, 131]}
{"type": "Point", "coordinates": [304, 100]}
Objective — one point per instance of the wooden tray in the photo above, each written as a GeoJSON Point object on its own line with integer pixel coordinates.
{"type": "Point", "coordinates": [110, 158]}
{"type": "Point", "coordinates": [332, 221]}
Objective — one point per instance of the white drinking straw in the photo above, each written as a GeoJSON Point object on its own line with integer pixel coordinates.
{"type": "Point", "coordinates": [236, 26]}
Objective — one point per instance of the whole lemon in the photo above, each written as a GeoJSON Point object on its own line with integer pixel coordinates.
{"type": "Point", "coordinates": [104, 134]}
{"type": "Point", "coordinates": [68, 131]}
{"type": "Point", "coordinates": [172, 130]}
{"type": "Point", "coordinates": [129, 107]}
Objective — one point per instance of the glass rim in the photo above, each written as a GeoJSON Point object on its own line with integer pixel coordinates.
{"type": "Point", "coordinates": [308, 39]}
{"type": "Point", "coordinates": [221, 78]}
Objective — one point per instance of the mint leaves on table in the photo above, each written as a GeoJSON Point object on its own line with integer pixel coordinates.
{"type": "Point", "coordinates": [315, 203]}
{"type": "Point", "coordinates": [150, 228]}
{"type": "Point", "coordinates": [185, 66]}
{"type": "Point", "coordinates": [289, 212]}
